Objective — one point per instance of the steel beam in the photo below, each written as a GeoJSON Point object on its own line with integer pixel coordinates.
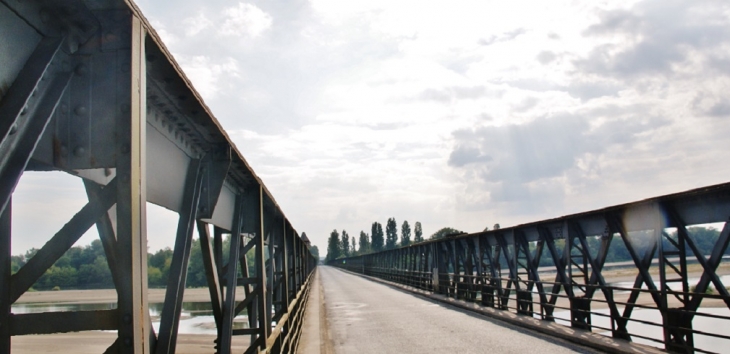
{"type": "Point", "coordinates": [211, 273]}
{"type": "Point", "coordinates": [170, 318]}
{"type": "Point", "coordinates": [132, 197]}
{"type": "Point", "coordinates": [229, 302]}
{"type": "Point", "coordinates": [25, 112]}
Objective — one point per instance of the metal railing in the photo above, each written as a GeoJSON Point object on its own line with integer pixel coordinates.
{"type": "Point", "coordinates": [507, 269]}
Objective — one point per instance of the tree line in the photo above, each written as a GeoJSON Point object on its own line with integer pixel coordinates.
{"type": "Point", "coordinates": [342, 245]}
{"type": "Point", "coordinates": [85, 267]}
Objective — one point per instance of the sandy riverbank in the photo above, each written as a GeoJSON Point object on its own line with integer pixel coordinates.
{"type": "Point", "coordinates": [110, 295]}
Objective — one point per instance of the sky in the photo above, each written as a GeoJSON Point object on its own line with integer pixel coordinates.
{"type": "Point", "coordinates": [452, 113]}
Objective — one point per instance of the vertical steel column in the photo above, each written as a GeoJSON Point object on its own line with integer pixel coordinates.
{"type": "Point", "coordinates": [5, 264]}
{"type": "Point", "coordinates": [255, 217]}
{"type": "Point", "coordinates": [131, 201]}
{"type": "Point", "coordinates": [285, 265]}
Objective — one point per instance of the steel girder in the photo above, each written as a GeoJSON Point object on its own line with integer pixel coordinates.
{"type": "Point", "coordinates": [87, 87]}
{"type": "Point", "coordinates": [502, 267]}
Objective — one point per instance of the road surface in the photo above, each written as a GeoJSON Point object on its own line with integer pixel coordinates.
{"type": "Point", "coordinates": [361, 316]}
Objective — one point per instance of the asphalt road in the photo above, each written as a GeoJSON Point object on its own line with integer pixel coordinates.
{"type": "Point", "coordinates": [363, 316]}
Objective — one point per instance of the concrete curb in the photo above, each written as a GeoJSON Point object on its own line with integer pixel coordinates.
{"type": "Point", "coordinates": [577, 336]}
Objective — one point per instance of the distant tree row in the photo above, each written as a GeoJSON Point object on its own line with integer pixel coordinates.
{"type": "Point", "coordinates": [85, 267]}
{"type": "Point", "coordinates": [342, 245]}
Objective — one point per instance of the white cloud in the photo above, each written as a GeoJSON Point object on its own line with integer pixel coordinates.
{"type": "Point", "coordinates": [209, 75]}
{"type": "Point", "coordinates": [245, 20]}
{"type": "Point", "coordinates": [196, 24]}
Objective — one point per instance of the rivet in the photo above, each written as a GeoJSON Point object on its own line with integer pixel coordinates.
{"type": "Point", "coordinates": [127, 318]}
{"type": "Point", "coordinates": [125, 67]}
{"type": "Point", "coordinates": [204, 209]}
{"type": "Point", "coordinates": [79, 151]}
{"type": "Point", "coordinates": [80, 110]}
{"type": "Point", "coordinates": [125, 108]}
{"type": "Point", "coordinates": [125, 178]}
{"type": "Point", "coordinates": [109, 36]}
{"type": "Point", "coordinates": [205, 189]}
{"type": "Point", "coordinates": [13, 129]}
{"type": "Point", "coordinates": [128, 341]}
{"type": "Point", "coordinates": [80, 70]}
{"type": "Point", "coordinates": [125, 148]}
{"type": "Point", "coordinates": [64, 108]}
{"type": "Point", "coordinates": [24, 111]}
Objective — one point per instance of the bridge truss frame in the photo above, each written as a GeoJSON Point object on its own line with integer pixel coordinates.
{"type": "Point", "coordinates": [87, 87]}
{"type": "Point", "coordinates": [472, 267]}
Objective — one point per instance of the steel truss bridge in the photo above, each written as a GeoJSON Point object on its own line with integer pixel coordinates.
{"type": "Point", "coordinates": [87, 87]}
{"type": "Point", "coordinates": [501, 268]}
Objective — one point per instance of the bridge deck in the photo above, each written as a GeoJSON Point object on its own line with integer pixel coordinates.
{"type": "Point", "coordinates": [363, 316]}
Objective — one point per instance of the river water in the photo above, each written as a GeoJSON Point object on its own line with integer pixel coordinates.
{"type": "Point", "coordinates": [196, 317]}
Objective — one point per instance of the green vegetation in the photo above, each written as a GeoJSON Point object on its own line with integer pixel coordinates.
{"type": "Point", "coordinates": [345, 249]}
{"type": "Point", "coordinates": [333, 246]}
{"type": "Point", "coordinates": [365, 246]}
{"type": "Point", "coordinates": [347, 246]}
{"type": "Point", "coordinates": [446, 231]}
{"type": "Point", "coordinates": [85, 267]}
{"type": "Point", "coordinates": [378, 241]}
{"type": "Point", "coordinates": [391, 234]}
{"type": "Point", "coordinates": [418, 231]}
{"type": "Point", "coordinates": [405, 234]}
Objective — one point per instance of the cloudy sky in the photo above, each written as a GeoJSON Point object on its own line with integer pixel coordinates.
{"type": "Point", "coordinates": [453, 113]}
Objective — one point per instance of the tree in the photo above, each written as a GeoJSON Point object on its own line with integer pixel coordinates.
{"type": "Point", "coordinates": [377, 235]}
{"type": "Point", "coordinates": [391, 234]}
{"type": "Point", "coordinates": [418, 232]}
{"type": "Point", "coordinates": [405, 234]}
{"type": "Point", "coordinates": [446, 231]}
{"type": "Point", "coordinates": [333, 246]}
{"type": "Point", "coordinates": [345, 244]}
{"type": "Point", "coordinates": [364, 243]}
{"type": "Point", "coordinates": [353, 246]}
{"type": "Point", "coordinates": [315, 252]}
